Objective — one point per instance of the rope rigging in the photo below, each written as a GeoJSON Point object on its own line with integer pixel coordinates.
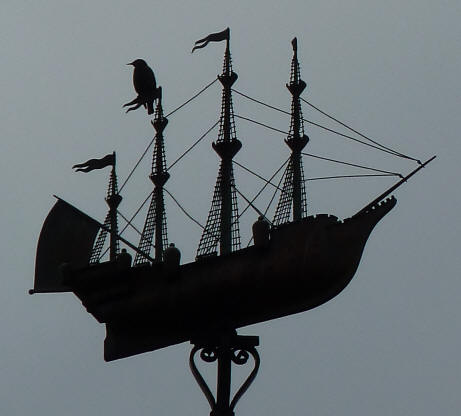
{"type": "Point", "coordinates": [320, 157]}
{"type": "Point", "coordinates": [136, 165]}
{"type": "Point", "coordinates": [360, 134]}
{"type": "Point", "coordinates": [315, 156]}
{"type": "Point", "coordinates": [273, 195]}
{"type": "Point", "coordinates": [376, 145]}
{"type": "Point", "coordinates": [349, 176]}
{"type": "Point", "coordinates": [371, 143]}
{"type": "Point", "coordinates": [183, 209]}
{"type": "Point", "coordinates": [352, 164]}
{"type": "Point", "coordinates": [186, 213]}
{"type": "Point", "coordinates": [193, 145]}
{"type": "Point", "coordinates": [275, 192]}
{"type": "Point", "coordinates": [129, 222]}
{"type": "Point", "coordinates": [317, 125]}
{"type": "Point", "coordinates": [262, 124]}
{"type": "Point", "coordinates": [268, 182]}
{"type": "Point", "coordinates": [192, 98]}
{"type": "Point", "coordinates": [169, 114]}
{"type": "Point", "coordinates": [250, 204]}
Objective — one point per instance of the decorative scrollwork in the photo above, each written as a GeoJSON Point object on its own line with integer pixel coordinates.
{"type": "Point", "coordinates": [209, 355]}
{"type": "Point", "coordinates": [240, 356]}
{"type": "Point", "coordinates": [251, 377]}
{"type": "Point", "coordinates": [198, 377]}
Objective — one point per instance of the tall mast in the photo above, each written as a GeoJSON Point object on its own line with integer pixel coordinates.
{"type": "Point", "coordinates": [293, 197]}
{"type": "Point", "coordinates": [156, 218]}
{"type": "Point", "coordinates": [222, 223]}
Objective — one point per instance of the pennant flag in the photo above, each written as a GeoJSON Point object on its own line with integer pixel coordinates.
{"type": "Point", "coordinates": [213, 37]}
{"type": "Point", "coordinates": [67, 236]}
{"type": "Point", "coordinates": [92, 164]}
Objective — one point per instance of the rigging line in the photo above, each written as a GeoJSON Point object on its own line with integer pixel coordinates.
{"type": "Point", "coordinates": [393, 188]}
{"type": "Point", "coordinates": [192, 218]}
{"type": "Point", "coordinates": [137, 164]}
{"type": "Point", "coordinates": [308, 154]}
{"type": "Point", "coordinates": [250, 204]}
{"type": "Point", "coordinates": [183, 209]}
{"type": "Point", "coordinates": [265, 185]}
{"type": "Point", "coordinates": [351, 138]}
{"type": "Point", "coordinates": [192, 98]}
{"type": "Point", "coordinates": [394, 153]}
{"type": "Point", "coordinates": [128, 223]}
{"type": "Point", "coordinates": [195, 144]}
{"type": "Point", "coordinates": [268, 182]}
{"type": "Point", "coordinates": [270, 203]}
{"type": "Point", "coordinates": [152, 141]}
{"type": "Point", "coordinates": [262, 103]}
{"type": "Point", "coordinates": [256, 196]}
{"type": "Point", "coordinates": [348, 176]}
{"type": "Point", "coordinates": [217, 238]}
{"type": "Point", "coordinates": [275, 193]}
{"type": "Point", "coordinates": [351, 164]}
{"type": "Point", "coordinates": [261, 124]}
{"type": "Point", "coordinates": [360, 134]}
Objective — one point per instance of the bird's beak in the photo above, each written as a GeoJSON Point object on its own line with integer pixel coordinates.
{"type": "Point", "coordinates": [131, 63]}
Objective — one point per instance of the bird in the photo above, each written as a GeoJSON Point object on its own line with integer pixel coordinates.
{"type": "Point", "coordinates": [145, 85]}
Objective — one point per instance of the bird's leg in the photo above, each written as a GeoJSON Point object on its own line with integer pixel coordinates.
{"type": "Point", "coordinates": [135, 101]}
{"type": "Point", "coordinates": [134, 108]}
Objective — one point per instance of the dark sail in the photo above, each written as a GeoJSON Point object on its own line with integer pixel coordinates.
{"type": "Point", "coordinates": [67, 236]}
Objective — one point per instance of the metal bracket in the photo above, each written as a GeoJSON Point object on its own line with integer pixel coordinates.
{"type": "Point", "coordinates": [225, 349]}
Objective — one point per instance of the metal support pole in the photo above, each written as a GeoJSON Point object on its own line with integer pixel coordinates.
{"type": "Point", "coordinates": [223, 390]}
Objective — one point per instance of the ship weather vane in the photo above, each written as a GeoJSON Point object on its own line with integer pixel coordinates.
{"type": "Point", "coordinates": [296, 263]}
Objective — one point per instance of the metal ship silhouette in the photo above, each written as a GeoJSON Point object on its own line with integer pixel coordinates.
{"type": "Point", "coordinates": [296, 262]}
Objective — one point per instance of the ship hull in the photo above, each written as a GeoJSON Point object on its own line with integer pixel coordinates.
{"type": "Point", "coordinates": [305, 264]}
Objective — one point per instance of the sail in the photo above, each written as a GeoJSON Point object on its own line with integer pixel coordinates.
{"type": "Point", "coordinates": [67, 236]}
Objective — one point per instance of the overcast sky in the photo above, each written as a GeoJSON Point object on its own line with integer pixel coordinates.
{"type": "Point", "coordinates": [389, 344]}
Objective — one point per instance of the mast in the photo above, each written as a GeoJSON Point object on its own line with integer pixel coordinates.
{"type": "Point", "coordinates": [222, 223]}
{"type": "Point", "coordinates": [293, 196]}
{"type": "Point", "coordinates": [113, 200]}
{"type": "Point", "coordinates": [156, 218]}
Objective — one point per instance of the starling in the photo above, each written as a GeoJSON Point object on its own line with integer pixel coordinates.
{"type": "Point", "coordinates": [145, 85]}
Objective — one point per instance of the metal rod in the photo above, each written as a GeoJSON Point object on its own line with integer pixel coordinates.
{"type": "Point", "coordinates": [224, 381]}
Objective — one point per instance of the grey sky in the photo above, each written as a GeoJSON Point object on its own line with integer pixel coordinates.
{"type": "Point", "coordinates": [388, 345]}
